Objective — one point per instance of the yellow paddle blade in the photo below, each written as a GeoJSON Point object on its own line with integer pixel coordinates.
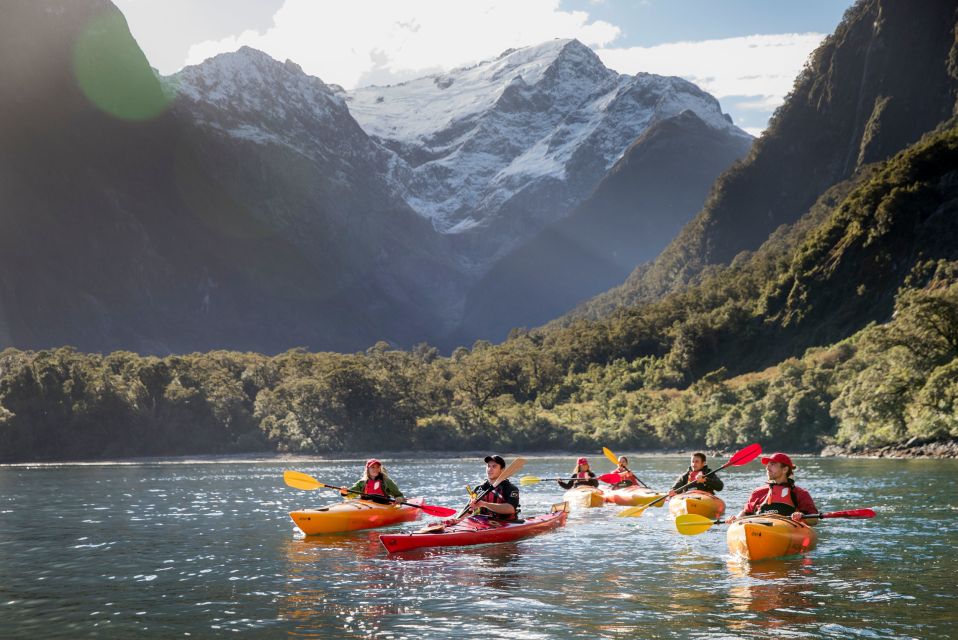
{"type": "Point", "coordinates": [524, 480]}
{"type": "Point", "coordinates": [472, 494]}
{"type": "Point", "coordinates": [302, 481]}
{"type": "Point", "coordinates": [692, 524]}
{"type": "Point", "coordinates": [633, 512]}
{"type": "Point", "coordinates": [614, 459]}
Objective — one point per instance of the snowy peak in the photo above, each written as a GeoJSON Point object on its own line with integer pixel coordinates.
{"type": "Point", "coordinates": [478, 143]}
{"type": "Point", "coordinates": [240, 80]}
{"type": "Point", "coordinates": [419, 109]}
{"type": "Point", "coordinates": [249, 95]}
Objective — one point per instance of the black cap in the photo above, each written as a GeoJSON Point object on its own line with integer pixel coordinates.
{"type": "Point", "coordinates": [498, 460]}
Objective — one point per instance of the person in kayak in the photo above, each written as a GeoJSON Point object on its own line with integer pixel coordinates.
{"type": "Point", "coordinates": [696, 473]}
{"type": "Point", "coordinates": [628, 478]}
{"type": "Point", "coordinates": [581, 476]}
{"type": "Point", "coordinates": [501, 502]}
{"type": "Point", "coordinates": [375, 482]}
{"type": "Point", "coordinates": [781, 496]}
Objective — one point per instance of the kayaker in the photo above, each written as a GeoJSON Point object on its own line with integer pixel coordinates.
{"type": "Point", "coordinates": [628, 478]}
{"type": "Point", "coordinates": [696, 473]}
{"type": "Point", "coordinates": [781, 495]}
{"type": "Point", "coordinates": [375, 482]}
{"type": "Point", "coordinates": [503, 501]}
{"type": "Point", "coordinates": [581, 476]}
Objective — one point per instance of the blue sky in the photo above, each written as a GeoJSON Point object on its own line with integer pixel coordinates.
{"type": "Point", "coordinates": [745, 52]}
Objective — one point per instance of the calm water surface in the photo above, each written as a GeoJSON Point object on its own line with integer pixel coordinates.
{"type": "Point", "coordinates": [207, 549]}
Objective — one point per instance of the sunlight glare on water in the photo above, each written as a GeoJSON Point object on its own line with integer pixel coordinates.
{"type": "Point", "coordinates": [176, 549]}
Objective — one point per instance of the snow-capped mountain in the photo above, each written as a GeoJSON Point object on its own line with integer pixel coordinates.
{"type": "Point", "coordinates": [247, 95]}
{"type": "Point", "coordinates": [505, 147]}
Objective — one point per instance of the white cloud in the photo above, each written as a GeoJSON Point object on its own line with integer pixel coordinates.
{"type": "Point", "coordinates": [345, 43]}
{"type": "Point", "coordinates": [760, 66]}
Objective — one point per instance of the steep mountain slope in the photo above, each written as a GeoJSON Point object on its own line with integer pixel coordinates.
{"type": "Point", "coordinates": [887, 75]}
{"type": "Point", "coordinates": [495, 152]}
{"type": "Point", "coordinates": [659, 184]}
{"type": "Point", "coordinates": [127, 225]}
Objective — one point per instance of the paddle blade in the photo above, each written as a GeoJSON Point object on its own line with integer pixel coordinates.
{"type": "Point", "coordinates": [633, 512]}
{"type": "Point", "coordinates": [692, 524]}
{"type": "Point", "coordinates": [610, 478]}
{"type": "Point", "coordinates": [851, 513]}
{"type": "Point", "coordinates": [440, 512]}
{"type": "Point", "coordinates": [527, 480]}
{"type": "Point", "coordinates": [614, 459]}
{"type": "Point", "coordinates": [746, 455]}
{"type": "Point", "coordinates": [302, 481]}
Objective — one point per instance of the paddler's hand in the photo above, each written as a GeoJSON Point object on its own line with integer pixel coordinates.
{"type": "Point", "coordinates": [797, 516]}
{"type": "Point", "coordinates": [400, 500]}
{"type": "Point", "coordinates": [671, 493]}
{"type": "Point", "coordinates": [730, 519]}
{"type": "Point", "coordinates": [343, 491]}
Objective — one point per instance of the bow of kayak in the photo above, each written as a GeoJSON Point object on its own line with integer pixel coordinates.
{"type": "Point", "coordinates": [632, 496]}
{"type": "Point", "coordinates": [584, 497]}
{"type": "Point", "coordinates": [700, 503]}
{"type": "Point", "coordinates": [353, 515]}
{"type": "Point", "coordinates": [476, 530]}
{"type": "Point", "coordinates": [769, 536]}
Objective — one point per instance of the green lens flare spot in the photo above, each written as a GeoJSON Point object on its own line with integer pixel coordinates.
{"type": "Point", "coordinates": [113, 73]}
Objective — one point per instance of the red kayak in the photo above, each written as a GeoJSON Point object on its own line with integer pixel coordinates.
{"type": "Point", "coordinates": [476, 530]}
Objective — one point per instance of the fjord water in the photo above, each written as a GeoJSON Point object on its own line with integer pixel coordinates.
{"type": "Point", "coordinates": [202, 549]}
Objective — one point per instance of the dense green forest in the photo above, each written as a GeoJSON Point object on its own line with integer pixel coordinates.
{"type": "Point", "coordinates": [842, 328]}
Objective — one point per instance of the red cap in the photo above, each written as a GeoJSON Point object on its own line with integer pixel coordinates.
{"type": "Point", "coordinates": [780, 458]}
{"type": "Point", "coordinates": [373, 461]}
{"type": "Point", "coordinates": [582, 461]}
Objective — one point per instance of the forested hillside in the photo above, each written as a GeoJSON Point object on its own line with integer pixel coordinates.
{"type": "Point", "coordinates": [880, 267]}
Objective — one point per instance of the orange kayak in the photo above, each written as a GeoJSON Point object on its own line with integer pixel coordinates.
{"type": "Point", "coordinates": [769, 536]}
{"type": "Point", "coordinates": [352, 515]}
{"type": "Point", "coordinates": [701, 503]}
{"type": "Point", "coordinates": [632, 496]}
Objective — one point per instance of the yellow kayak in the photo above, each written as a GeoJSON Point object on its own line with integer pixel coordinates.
{"type": "Point", "coordinates": [701, 503]}
{"type": "Point", "coordinates": [352, 515]}
{"type": "Point", "coordinates": [583, 497]}
{"type": "Point", "coordinates": [632, 496]}
{"type": "Point", "coordinates": [769, 536]}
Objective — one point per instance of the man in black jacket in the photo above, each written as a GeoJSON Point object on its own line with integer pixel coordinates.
{"type": "Point", "coordinates": [697, 475]}
{"type": "Point", "coordinates": [500, 502]}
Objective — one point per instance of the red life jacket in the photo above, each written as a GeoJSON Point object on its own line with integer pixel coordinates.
{"type": "Point", "coordinates": [780, 499]}
{"type": "Point", "coordinates": [375, 487]}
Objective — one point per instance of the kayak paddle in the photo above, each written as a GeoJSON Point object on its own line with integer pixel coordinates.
{"type": "Point", "coordinates": [614, 459]}
{"type": "Point", "coordinates": [609, 478]}
{"type": "Point", "coordinates": [514, 467]}
{"type": "Point", "coordinates": [744, 456]}
{"type": "Point", "coordinates": [691, 524]}
{"type": "Point", "coordinates": [306, 482]}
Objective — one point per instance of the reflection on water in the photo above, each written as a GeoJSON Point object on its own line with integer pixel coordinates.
{"type": "Point", "coordinates": [169, 550]}
{"type": "Point", "coordinates": [778, 590]}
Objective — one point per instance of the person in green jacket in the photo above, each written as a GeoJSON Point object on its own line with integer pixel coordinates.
{"type": "Point", "coordinates": [375, 483]}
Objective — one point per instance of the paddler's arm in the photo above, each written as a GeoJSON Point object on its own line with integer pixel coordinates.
{"type": "Point", "coordinates": [392, 489]}
{"type": "Point", "coordinates": [354, 490]}
{"type": "Point", "coordinates": [805, 505]}
{"type": "Point", "coordinates": [502, 508]}
{"type": "Point", "coordinates": [757, 497]}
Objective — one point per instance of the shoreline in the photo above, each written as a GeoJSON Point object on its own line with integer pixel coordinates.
{"type": "Point", "coordinates": [941, 448]}
{"type": "Point", "coordinates": [933, 448]}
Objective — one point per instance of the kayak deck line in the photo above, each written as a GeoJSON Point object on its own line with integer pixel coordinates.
{"type": "Point", "coordinates": [474, 530]}
{"type": "Point", "coordinates": [353, 515]}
